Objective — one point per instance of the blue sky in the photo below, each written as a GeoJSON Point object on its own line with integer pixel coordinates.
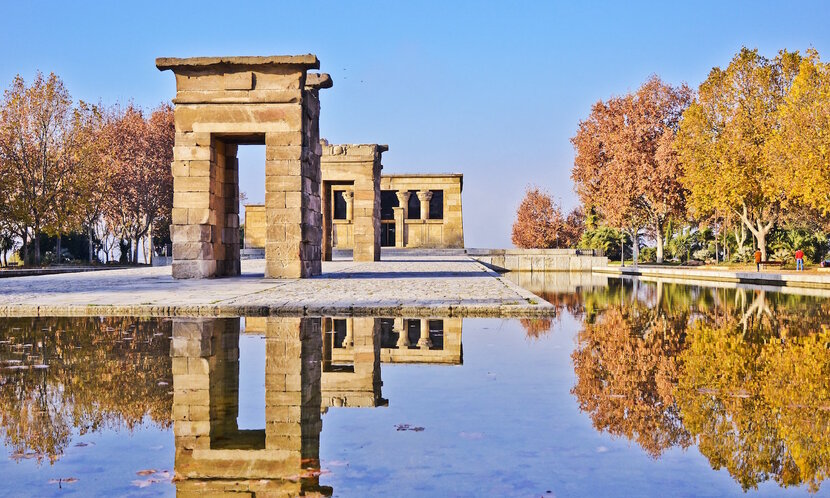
{"type": "Point", "coordinates": [493, 90]}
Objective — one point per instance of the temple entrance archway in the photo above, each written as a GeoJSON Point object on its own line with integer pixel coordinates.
{"type": "Point", "coordinates": [222, 102]}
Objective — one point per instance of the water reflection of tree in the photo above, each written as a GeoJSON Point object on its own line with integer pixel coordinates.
{"type": "Point", "coordinates": [60, 374]}
{"type": "Point", "coordinates": [626, 368]}
{"type": "Point", "coordinates": [758, 406]}
{"type": "Point", "coordinates": [750, 384]}
{"type": "Point", "coordinates": [570, 302]}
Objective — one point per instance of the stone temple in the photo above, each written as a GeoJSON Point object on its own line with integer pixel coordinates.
{"type": "Point", "coordinates": [364, 210]}
{"type": "Point", "coordinates": [318, 197]}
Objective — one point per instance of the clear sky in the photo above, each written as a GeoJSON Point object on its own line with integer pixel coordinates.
{"type": "Point", "coordinates": [493, 90]}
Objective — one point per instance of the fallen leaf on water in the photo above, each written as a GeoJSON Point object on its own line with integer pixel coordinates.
{"type": "Point", "coordinates": [63, 480]}
{"type": "Point", "coordinates": [407, 427]}
{"type": "Point", "coordinates": [144, 483]}
{"type": "Point", "coordinates": [146, 472]}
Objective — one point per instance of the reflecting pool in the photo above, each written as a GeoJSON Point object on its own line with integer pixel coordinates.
{"type": "Point", "coordinates": [636, 388]}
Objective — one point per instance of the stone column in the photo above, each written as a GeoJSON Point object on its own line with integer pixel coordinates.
{"type": "Point", "coordinates": [403, 336]}
{"type": "Point", "coordinates": [424, 196]}
{"type": "Point", "coordinates": [358, 165]}
{"type": "Point", "coordinates": [423, 341]}
{"type": "Point", "coordinates": [228, 190]}
{"type": "Point", "coordinates": [401, 213]}
{"type": "Point", "coordinates": [348, 341]}
{"type": "Point", "coordinates": [348, 195]}
{"type": "Point", "coordinates": [328, 222]}
{"type": "Point", "coordinates": [190, 349]}
{"type": "Point", "coordinates": [197, 212]}
{"type": "Point", "coordinates": [403, 201]}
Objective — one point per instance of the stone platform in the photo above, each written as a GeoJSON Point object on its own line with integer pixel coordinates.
{"type": "Point", "coordinates": [403, 286]}
{"type": "Point", "coordinates": [782, 279]}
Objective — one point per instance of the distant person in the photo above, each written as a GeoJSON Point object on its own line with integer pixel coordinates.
{"type": "Point", "coordinates": [758, 259]}
{"type": "Point", "coordinates": [799, 260]}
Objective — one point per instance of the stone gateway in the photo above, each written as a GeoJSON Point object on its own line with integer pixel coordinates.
{"type": "Point", "coordinates": [222, 102]}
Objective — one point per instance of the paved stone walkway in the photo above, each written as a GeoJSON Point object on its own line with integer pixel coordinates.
{"type": "Point", "coordinates": [403, 286]}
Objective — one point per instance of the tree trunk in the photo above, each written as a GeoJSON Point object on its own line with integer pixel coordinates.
{"type": "Point", "coordinates": [25, 248]}
{"type": "Point", "coordinates": [660, 247]}
{"type": "Point", "coordinates": [58, 250]}
{"type": "Point", "coordinates": [659, 294]}
{"type": "Point", "coordinates": [37, 248]}
{"type": "Point", "coordinates": [622, 251]}
{"type": "Point", "coordinates": [90, 244]}
{"type": "Point", "coordinates": [135, 250]}
{"type": "Point", "coordinates": [740, 236]}
{"type": "Point", "coordinates": [635, 249]}
{"type": "Point", "coordinates": [759, 231]}
{"type": "Point", "coordinates": [150, 240]}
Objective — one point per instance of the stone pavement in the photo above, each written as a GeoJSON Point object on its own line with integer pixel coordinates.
{"type": "Point", "coordinates": [400, 286]}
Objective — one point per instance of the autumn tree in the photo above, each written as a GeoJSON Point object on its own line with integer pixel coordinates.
{"type": "Point", "coordinates": [141, 186]}
{"type": "Point", "coordinates": [798, 151]}
{"type": "Point", "coordinates": [573, 227]}
{"type": "Point", "coordinates": [538, 221]}
{"type": "Point", "coordinates": [625, 165]}
{"type": "Point", "coordinates": [35, 125]}
{"type": "Point", "coordinates": [723, 135]}
{"type": "Point", "coordinates": [756, 406]}
{"type": "Point", "coordinates": [93, 178]}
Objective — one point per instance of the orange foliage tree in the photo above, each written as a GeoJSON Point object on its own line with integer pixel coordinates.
{"type": "Point", "coordinates": [625, 166]}
{"type": "Point", "coordinates": [540, 225]}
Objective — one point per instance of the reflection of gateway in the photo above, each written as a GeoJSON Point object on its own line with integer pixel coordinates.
{"type": "Point", "coordinates": [212, 455]}
{"type": "Point", "coordinates": [311, 364]}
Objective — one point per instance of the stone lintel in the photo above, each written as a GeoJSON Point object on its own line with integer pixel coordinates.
{"type": "Point", "coordinates": [307, 61]}
{"type": "Point", "coordinates": [318, 81]}
{"type": "Point", "coordinates": [351, 152]}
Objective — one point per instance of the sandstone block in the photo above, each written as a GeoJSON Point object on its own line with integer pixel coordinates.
{"type": "Point", "coordinates": [194, 269]}
{"type": "Point", "coordinates": [191, 233]}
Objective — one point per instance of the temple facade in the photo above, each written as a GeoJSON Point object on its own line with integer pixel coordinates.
{"type": "Point", "coordinates": [421, 211]}
{"type": "Point", "coordinates": [414, 210]}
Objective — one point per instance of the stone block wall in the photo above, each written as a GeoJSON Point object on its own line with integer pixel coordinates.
{"type": "Point", "coordinates": [223, 102]}
{"type": "Point", "coordinates": [537, 260]}
{"type": "Point", "coordinates": [354, 169]}
{"type": "Point", "coordinates": [205, 228]}
{"type": "Point", "coordinates": [255, 226]}
{"type": "Point", "coordinates": [420, 231]}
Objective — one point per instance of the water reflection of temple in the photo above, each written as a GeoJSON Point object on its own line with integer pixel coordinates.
{"type": "Point", "coordinates": [311, 365]}
{"type": "Point", "coordinates": [402, 340]}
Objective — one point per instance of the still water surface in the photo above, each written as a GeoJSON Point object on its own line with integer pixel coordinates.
{"type": "Point", "coordinates": [635, 389]}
